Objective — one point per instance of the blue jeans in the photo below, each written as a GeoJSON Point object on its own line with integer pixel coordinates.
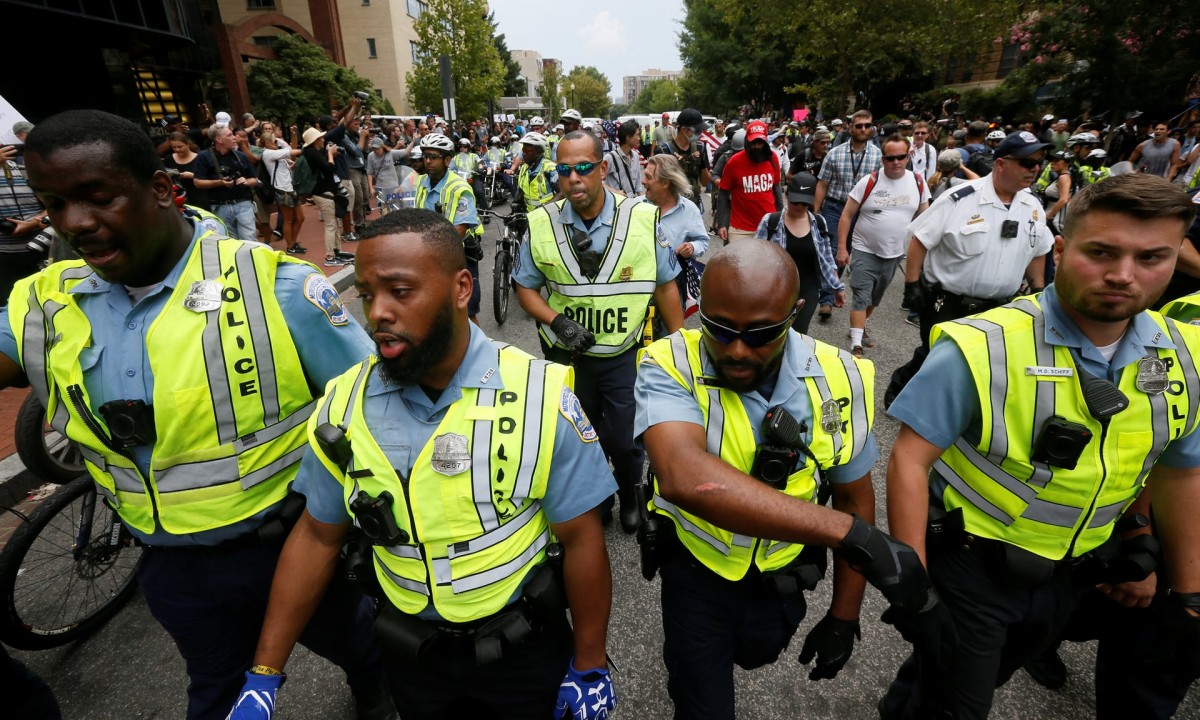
{"type": "Point", "coordinates": [238, 218]}
{"type": "Point", "coordinates": [831, 210]}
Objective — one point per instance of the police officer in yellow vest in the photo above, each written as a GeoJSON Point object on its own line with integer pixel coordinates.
{"type": "Point", "coordinates": [185, 365]}
{"type": "Point", "coordinates": [746, 399]}
{"type": "Point", "coordinates": [1042, 420]}
{"type": "Point", "coordinates": [537, 179]}
{"type": "Point", "coordinates": [445, 192]}
{"type": "Point", "coordinates": [475, 474]}
{"type": "Point", "coordinates": [599, 258]}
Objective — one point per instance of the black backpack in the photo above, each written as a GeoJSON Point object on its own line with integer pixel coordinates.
{"type": "Point", "coordinates": [981, 162]}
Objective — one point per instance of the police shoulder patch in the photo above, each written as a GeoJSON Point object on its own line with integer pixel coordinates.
{"type": "Point", "coordinates": [321, 293]}
{"type": "Point", "coordinates": [572, 410]}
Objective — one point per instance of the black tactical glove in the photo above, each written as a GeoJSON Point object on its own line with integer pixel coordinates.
{"type": "Point", "coordinates": [571, 334]}
{"type": "Point", "coordinates": [931, 631]}
{"type": "Point", "coordinates": [1179, 635]}
{"type": "Point", "coordinates": [831, 641]}
{"type": "Point", "coordinates": [888, 564]}
{"type": "Point", "coordinates": [914, 296]}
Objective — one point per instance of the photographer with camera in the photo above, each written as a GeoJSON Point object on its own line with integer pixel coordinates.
{"type": "Point", "coordinates": [1042, 421]}
{"type": "Point", "coordinates": [23, 221]}
{"type": "Point", "coordinates": [750, 426]}
{"type": "Point", "coordinates": [226, 173]}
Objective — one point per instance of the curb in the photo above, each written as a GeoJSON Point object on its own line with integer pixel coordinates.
{"type": "Point", "coordinates": [343, 279]}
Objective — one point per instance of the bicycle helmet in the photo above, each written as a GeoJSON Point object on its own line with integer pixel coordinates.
{"type": "Point", "coordinates": [494, 140]}
{"type": "Point", "coordinates": [465, 141]}
{"type": "Point", "coordinates": [534, 138]}
{"type": "Point", "coordinates": [437, 141]}
{"type": "Point", "coordinates": [537, 121]}
{"type": "Point", "coordinates": [739, 140]}
{"type": "Point", "coordinates": [1062, 155]}
{"type": "Point", "coordinates": [1083, 139]}
{"type": "Point", "coordinates": [996, 135]}
{"type": "Point", "coordinates": [571, 114]}
{"type": "Point", "coordinates": [1097, 154]}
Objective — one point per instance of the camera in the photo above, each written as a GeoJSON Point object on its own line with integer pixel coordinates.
{"type": "Point", "coordinates": [1061, 443]}
{"type": "Point", "coordinates": [374, 515]}
{"type": "Point", "coordinates": [362, 95]}
{"type": "Point", "coordinates": [1008, 229]}
{"type": "Point", "coordinates": [130, 422]}
{"type": "Point", "coordinates": [783, 444]}
{"type": "Point", "coordinates": [19, 148]}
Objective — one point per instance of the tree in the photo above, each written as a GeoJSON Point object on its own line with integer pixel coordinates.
{"type": "Point", "coordinates": [657, 96]}
{"type": "Point", "coordinates": [1117, 56]}
{"type": "Point", "coordinates": [455, 28]}
{"type": "Point", "coordinates": [301, 83]}
{"type": "Point", "coordinates": [550, 91]}
{"type": "Point", "coordinates": [588, 90]}
{"type": "Point", "coordinates": [513, 84]}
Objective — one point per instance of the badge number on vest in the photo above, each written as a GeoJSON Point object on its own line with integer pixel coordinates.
{"type": "Point", "coordinates": [1048, 371]}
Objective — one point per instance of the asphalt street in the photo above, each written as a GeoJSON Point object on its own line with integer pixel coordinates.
{"type": "Point", "coordinates": [130, 669]}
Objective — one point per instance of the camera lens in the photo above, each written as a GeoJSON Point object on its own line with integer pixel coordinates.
{"type": "Point", "coordinates": [122, 426]}
{"type": "Point", "coordinates": [775, 473]}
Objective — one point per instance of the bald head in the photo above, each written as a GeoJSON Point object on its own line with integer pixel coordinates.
{"type": "Point", "coordinates": [760, 272]}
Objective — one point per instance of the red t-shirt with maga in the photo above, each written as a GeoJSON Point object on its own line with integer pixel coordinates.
{"type": "Point", "coordinates": [751, 188]}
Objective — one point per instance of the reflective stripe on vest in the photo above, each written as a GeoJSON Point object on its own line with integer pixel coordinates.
{"type": "Point", "coordinates": [730, 436]}
{"type": "Point", "coordinates": [613, 306]}
{"type": "Point", "coordinates": [475, 531]}
{"type": "Point", "coordinates": [464, 163]}
{"type": "Point", "coordinates": [1047, 510]}
{"type": "Point", "coordinates": [451, 192]}
{"type": "Point", "coordinates": [535, 185]}
{"type": "Point", "coordinates": [230, 433]}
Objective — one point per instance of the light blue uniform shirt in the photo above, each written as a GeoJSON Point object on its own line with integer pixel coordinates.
{"type": "Point", "coordinates": [528, 274]}
{"type": "Point", "coordinates": [681, 224]}
{"type": "Point", "coordinates": [403, 419]}
{"type": "Point", "coordinates": [661, 399]}
{"type": "Point", "coordinates": [942, 404]}
{"type": "Point", "coordinates": [464, 214]}
{"type": "Point", "coordinates": [115, 367]}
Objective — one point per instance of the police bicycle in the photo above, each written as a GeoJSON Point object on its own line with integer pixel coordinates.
{"type": "Point", "coordinates": [507, 247]}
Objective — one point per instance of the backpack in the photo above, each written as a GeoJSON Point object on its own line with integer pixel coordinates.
{"type": "Point", "coordinates": [981, 162]}
{"type": "Point", "coordinates": [266, 182]}
{"type": "Point", "coordinates": [773, 223]}
{"type": "Point", "coordinates": [304, 180]}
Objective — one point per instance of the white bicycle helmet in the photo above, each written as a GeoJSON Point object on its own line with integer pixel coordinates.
{"type": "Point", "coordinates": [571, 114]}
{"type": "Point", "coordinates": [1083, 139]}
{"type": "Point", "coordinates": [437, 141]}
{"type": "Point", "coordinates": [739, 140]}
{"type": "Point", "coordinates": [996, 135]}
{"type": "Point", "coordinates": [1097, 154]}
{"type": "Point", "coordinates": [534, 138]}
{"type": "Point", "coordinates": [537, 121]}
{"type": "Point", "coordinates": [494, 140]}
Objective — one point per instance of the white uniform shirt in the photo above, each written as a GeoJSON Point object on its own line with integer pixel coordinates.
{"type": "Point", "coordinates": [923, 159]}
{"type": "Point", "coordinates": [882, 226]}
{"type": "Point", "coordinates": [966, 254]}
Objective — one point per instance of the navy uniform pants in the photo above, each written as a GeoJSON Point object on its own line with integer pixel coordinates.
{"type": "Point", "coordinates": [212, 601]}
{"type": "Point", "coordinates": [1000, 627]}
{"type": "Point", "coordinates": [710, 624]}
{"type": "Point", "coordinates": [26, 696]}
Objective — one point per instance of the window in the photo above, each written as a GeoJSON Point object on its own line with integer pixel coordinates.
{"type": "Point", "coordinates": [366, 3]}
{"type": "Point", "coordinates": [371, 48]}
{"type": "Point", "coordinates": [416, 52]}
{"type": "Point", "coordinates": [260, 4]}
{"type": "Point", "coordinates": [1010, 59]}
{"type": "Point", "coordinates": [416, 7]}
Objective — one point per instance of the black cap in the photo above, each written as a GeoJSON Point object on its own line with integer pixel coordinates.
{"type": "Point", "coordinates": [691, 118]}
{"type": "Point", "coordinates": [802, 188]}
{"type": "Point", "coordinates": [1021, 144]}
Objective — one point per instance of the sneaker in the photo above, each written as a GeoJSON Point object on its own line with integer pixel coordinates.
{"type": "Point", "coordinates": [348, 257]}
{"type": "Point", "coordinates": [913, 319]}
{"type": "Point", "coordinates": [349, 237]}
{"type": "Point", "coordinates": [334, 262]}
{"type": "Point", "coordinates": [278, 234]}
{"type": "Point", "coordinates": [297, 249]}
{"type": "Point", "coordinates": [857, 351]}
{"type": "Point", "coordinates": [824, 312]}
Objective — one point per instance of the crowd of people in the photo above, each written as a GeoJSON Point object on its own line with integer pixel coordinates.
{"type": "Point", "coordinates": [266, 450]}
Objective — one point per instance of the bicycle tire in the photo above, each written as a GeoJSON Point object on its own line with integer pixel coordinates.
{"type": "Point", "coordinates": [501, 274]}
{"type": "Point", "coordinates": [44, 452]}
{"type": "Point", "coordinates": [51, 597]}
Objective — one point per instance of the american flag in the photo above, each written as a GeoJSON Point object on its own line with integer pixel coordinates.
{"type": "Point", "coordinates": [710, 143]}
{"type": "Point", "coordinates": [692, 271]}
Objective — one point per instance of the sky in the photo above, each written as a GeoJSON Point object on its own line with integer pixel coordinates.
{"type": "Point", "coordinates": [618, 37]}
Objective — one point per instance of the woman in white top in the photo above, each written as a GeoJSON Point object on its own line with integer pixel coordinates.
{"type": "Point", "coordinates": [280, 158]}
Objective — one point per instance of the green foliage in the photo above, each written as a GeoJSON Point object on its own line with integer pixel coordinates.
{"type": "Point", "coordinates": [302, 83]}
{"type": "Point", "coordinates": [1113, 56]}
{"type": "Point", "coordinates": [456, 28]}
{"type": "Point", "coordinates": [618, 109]}
{"type": "Point", "coordinates": [550, 91]}
{"type": "Point", "coordinates": [657, 96]}
{"type": "Point", "coordinates": [590, 94]}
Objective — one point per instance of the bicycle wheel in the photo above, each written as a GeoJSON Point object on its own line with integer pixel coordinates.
{"type": "Point", "coordinates": [46, 453]}
{"type": "Point", "coordinates": [60, 578]}
{"type": "Point", "coordinates": [501, 274]}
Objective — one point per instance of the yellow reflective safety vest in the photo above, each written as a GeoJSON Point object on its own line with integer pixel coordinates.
{"type": "Point", "coordinates": [731, 437]}
{"type": "Point", "coordinates": [534, 182]}
{"type": "Point", "coordinates": [464, 163]}
{"type": "Point", "coordinates": [1023, 382]}
{"type": "Point", "coordinates": [1185, 309]}
{"type": "Point", "coordinates": [471, 508]}
{"type": "Point", "coordinates": [452, 191]}
{"type": "Point", "coordinates": [613, 306]}
{"type": "Point", "coordinates": [230, 401]}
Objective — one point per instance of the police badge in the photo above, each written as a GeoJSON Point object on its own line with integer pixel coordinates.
{"type": "Point", "coordinates": [450, 456]}
{"type": "Point", "coordinates": [1152, 376]}
{"type": "Point", "coordinates": [204, 296]}
{"type": "Point", "coordinates": [831, 416]}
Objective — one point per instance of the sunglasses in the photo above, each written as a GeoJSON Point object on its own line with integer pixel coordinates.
{"type": "Point", "coordinates": [863, 126]}
{"type": "Point", "coordinates": [920, 132]}
{"type": "Point", "coordinates": [754, 337]}
{"type": "Point", "coordinates": [895, 158]}
{"type": "Point", "coordinates": [1028, 163]}
{"type": "Point", "coordinates": [584, 169]}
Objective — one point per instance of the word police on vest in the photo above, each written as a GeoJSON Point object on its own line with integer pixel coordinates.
{"type": "Point", "coordinates": [601, 320]}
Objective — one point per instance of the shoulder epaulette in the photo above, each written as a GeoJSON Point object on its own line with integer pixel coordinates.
{"type": "Point", "coordinates": [962, 192]}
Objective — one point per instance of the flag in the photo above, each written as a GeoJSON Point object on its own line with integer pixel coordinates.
{"type": "Point", "coordinates": [692, 270]}
{"type": "Point", "coordinates": [710, 143]}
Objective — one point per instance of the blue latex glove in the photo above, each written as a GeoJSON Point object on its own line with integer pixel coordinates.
{"type": "Point", "coordinates": [257, 701]}
{"type": "Point", "coordinates": [587, 695]}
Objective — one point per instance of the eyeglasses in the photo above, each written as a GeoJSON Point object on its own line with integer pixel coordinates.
{"type": "Point", "coordinates": [754, 337]}
{"type": "Point", "coordinates": [584, 169]}
{"type": "Point", "coordinates": [895, 158]}
{"type": "Point", "coordinates": [920, 132]}
{"type": "Point", "coordinates": [863, 126]}
{"type": "Point", "coordinates": [1028, 163]}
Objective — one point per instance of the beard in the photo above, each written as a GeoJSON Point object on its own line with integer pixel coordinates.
{"type": "Point", "coordinates": [759, 155]}
{"type": "Point", "coordinates": [422, 355]}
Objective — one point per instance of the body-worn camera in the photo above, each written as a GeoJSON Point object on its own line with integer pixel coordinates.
{"type": "Point", "coordinates": [1008, 229]}
{"type": "Point", "coordinates": [334, 443]}
{"type": "Point", "coordinates": [1061, 443]}
{"type": "Point", "coordinates": [781, 447]}
{"type": "Point", "coordinates": [374, 515]}
{"type": "Point", "coordinates": [130, 422]}
{"type": "Point", "coordinates": [589, 259]}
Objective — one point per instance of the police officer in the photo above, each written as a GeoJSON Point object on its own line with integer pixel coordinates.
{"type": "Point", "coordinates": [599, 258]}
{"type": "Point", "coordinates": [971, 249]}
{"type": "Point", "coordinates": [445, 192]}
{"type": "Point", "coordinates": [475, 474]}
{"type": "Point", "coordinates": [498, 156]}
{"type": "Point", "coordinates": [185, 365]}
{"type": "Point", "coordinates": [747, 396]}
{"type": "Point", "coordinates": [464, 164]}
{"type": "Point", "coordinates": [537, 179]}
{"type": "Point", "coordinates": [1042, 420]}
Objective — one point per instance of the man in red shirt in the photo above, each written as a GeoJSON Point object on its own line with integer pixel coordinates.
{"type": "Point", "coordinates": [749, 186]}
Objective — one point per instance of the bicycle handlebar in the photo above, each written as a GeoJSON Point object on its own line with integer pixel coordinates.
{"type": "Point", "coordinates": [504, 218]}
